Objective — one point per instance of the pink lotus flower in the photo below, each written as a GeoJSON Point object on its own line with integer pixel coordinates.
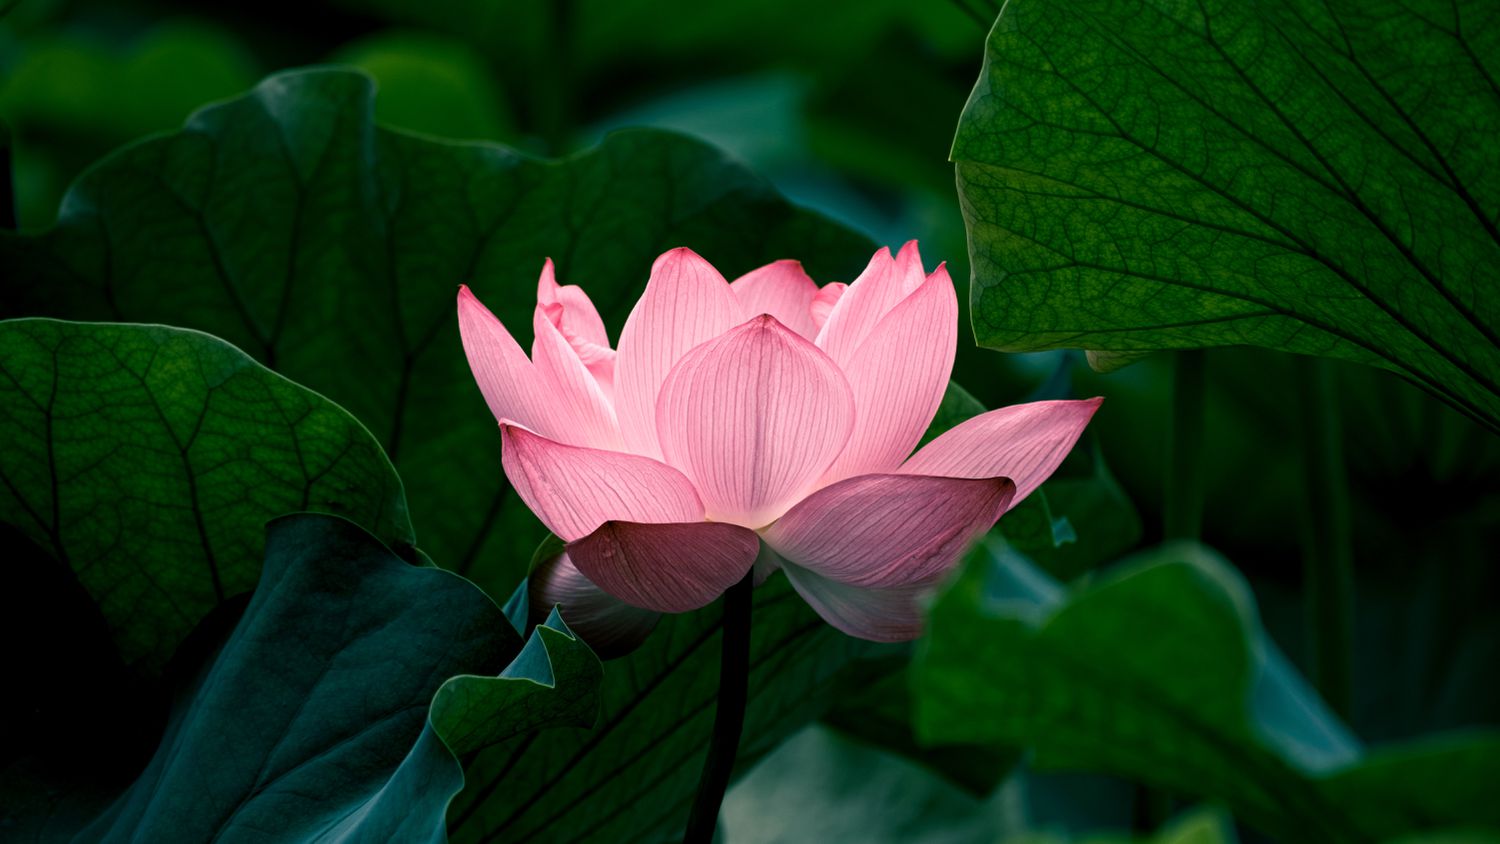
{"type": "Point", "coordinates": [767, 410]}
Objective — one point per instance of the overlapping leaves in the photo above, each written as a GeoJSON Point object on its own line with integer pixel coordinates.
{"type": "Point", "coordinates": [1317, 177]}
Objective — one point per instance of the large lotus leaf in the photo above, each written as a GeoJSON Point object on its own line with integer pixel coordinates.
{"type": "Point", "coordinates": [1159, 671]}
{"type": "Point", "coordinates": [148, 459]}
{"type": "Point", "coordinates": [1318, 177]}
{"type": "Point", "coordinates": [289, 224]}
{"type": "Point", "coordinates": [313, 721]}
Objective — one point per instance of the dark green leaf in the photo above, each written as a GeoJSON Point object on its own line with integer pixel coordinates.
{"type": "Point", "coordinates": [312, 720]}
{"type": "Point", "coordinates": [1307, 176]}
{"type": "Point", "coordinates": [1160, 672]}
{"type": "Point", "coordinates": [287, 223]}
{"type": "Point", "coordinates": [149, 459]}
{"type": "Point", "coordinates": [631, 777]}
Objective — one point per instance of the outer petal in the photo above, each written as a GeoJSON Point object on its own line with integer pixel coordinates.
{"type": "Point", "coordinates": [573, 490]}
{"type": "Point", "coordinates": [511, 385]}
{"type": "Point", "coordinates": [782, 290]}
{"type": "Point", "coordinates": [666, 567]}
{"type": "Point", "coordinates": [572, 314]}
{"type": "Point", "coordinates": [574, 388]}
{"type": "Point", "coordinates": [884, 282]}
{"type": "Point", "coordinates": [610, 626]}
{"type": "Point", "coordinates": [879, 615]}
{"type": "Point", "coordinates": [686, 302]}
{"type": "Point", "coordinates": [889, 530]}
{"type": "Point", "coordinates": [754, 418]}
{"type": "Point", "coordinates": [1023, 442]}
{"type": "Point", "coordinates": [898, 376]}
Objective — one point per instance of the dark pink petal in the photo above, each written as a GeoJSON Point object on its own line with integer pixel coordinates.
{"type": "Point", "coordinates": [754, 417]}
{"type": "Point", "coordinates": [666, 567]}
{"type": "Point", "coordinates": [782, 290]}
{"type": "Point", "coordinates": [610, 626]}
{"type": "Point", "coordinates": [573, 490]}
{"type": "Point", "coordinates": [1023, 442]}
{"type": "Point", "coordinates": [879, 615]}
{"type": "Point", "coordinates": [898, 377]}
{"type": "Point", "coordinates": [885, 282]}
{"type": "Point", "coordinates": [888, 530]}
{"type": "Point", "coordinates": [686, 303]}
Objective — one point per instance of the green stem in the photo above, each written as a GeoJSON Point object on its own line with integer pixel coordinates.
{"type": "Point", "coordinates": [729, 717]}
{"type": "Point", "coordinates": [1183, 511]}
{"type": "Point", "coordinates": [1327, 561]}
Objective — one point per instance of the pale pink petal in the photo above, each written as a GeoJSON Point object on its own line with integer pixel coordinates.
{"type": "Point", "coordinates": [754, 417]}
{"type": "Point", "coordinates": [889, 530]}
{"type": "Point", "coordinates": [822, 304]}
{"type": "Point", "coordinates": [885, 282]}
{"type": "Point", "coordinates": [686, 303]}
{"type": "Point", "coordinates": [611, 627]}
{"type": "Point", "coordinates": [666, 567]}
{"type": "Point", "coordinates": [574, 390]}
{"type": "Point", "coordinates": [879, 615]}
{"type": "Point", "coordinates": [1023, 442]}
{"type": "Point", "coordinates": [573, 313]}
{"type": "Point", "coordinates": [782, 290]}
{"type": "Point", "coordinates": [573, 490]}
{"type": "Point", "coordinates": [898, 377]}
{"type": "Point", "coordinates": [510, 383]}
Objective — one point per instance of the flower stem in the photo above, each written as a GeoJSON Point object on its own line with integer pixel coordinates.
{"type": "Point", "coordinates": [1183, 511]}
{"type": "Point", "coordinates": [729, 717]}
{"type": "Point", "coordinates": [1327, 565]}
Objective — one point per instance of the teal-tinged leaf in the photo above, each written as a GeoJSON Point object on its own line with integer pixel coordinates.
{"type": "Point", "coordinates": [1316, 177]}
{"type": "Point", "coordinates": [312, 720]}
{"type": "Point", "coordinates": [554, 681]}
{"type": "Point", "coordinates": [288, 223]}
{"type": "Point", "coordinates": [148, 460]}
{"type": "Point", "coordinates": [1159, 671]}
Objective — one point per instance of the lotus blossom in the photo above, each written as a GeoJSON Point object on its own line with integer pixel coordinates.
{"type": "Point", "coordinates": [767, 419]}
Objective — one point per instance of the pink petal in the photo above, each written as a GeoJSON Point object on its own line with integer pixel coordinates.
{"type": "Point", "coordinates": [510, 383]}
{"type": "Point", "coordinates": [879, 615]}
{"type": "Point", "coordinates": [610, 626]}
{"type": "Point", "coordinates": [889, 530]}
{"type": "Point", "coordinates": [782, 290]}
{"type": "Point", "coordinates": [686, 302]}
{"type": "Point", "coordinates": [884, 282]}
{"type": "Point", "coordinates": [898, 377]}
{"type": "Point", "coordinates": [754, 417]}
{"type": "Point", "coordinates": [1023, 442]}
{"type": "Point", "coordinates": [573, 490]}
{"type": "Point", "coordinates": [666, 567]}
{"type": "Point", "coordinates": [573, 313]}
{"type": "Point", "coordinates": [574, 390]}
{"type": "Point", "coordinates": [822, 304]}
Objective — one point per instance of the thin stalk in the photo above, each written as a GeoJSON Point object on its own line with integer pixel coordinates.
{"type": "Point", "coordinates": [1182, 514]}
{"type": "Point", "coordinates": [729, 716]}
{"type": "Point", "coordinates": [1327, 559]}
{"type": "Point", "coordinates": [1183, 511]}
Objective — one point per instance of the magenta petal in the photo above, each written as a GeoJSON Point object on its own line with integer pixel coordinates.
{"type": "Point", "coordinates": [879, 615]}
{"type": "Point", "coordinates": [888, 530]}
{"type": "Point", "coordinates": [573, 490]}
{"type": "Point", "coordinates": [610, 626]}
{"type": "Point", "coordinates": [686, 302]}
{"type": "Point", "coordinates": [754, 418]}
{"type": "Point", "coordinates": [898, 377]}
{"type": "Point", "coordinates": [666, 567]}
{"type": "Point", "coordinates": [781, 289]}
{"type": "Point", "coordinates": [1023, 442]}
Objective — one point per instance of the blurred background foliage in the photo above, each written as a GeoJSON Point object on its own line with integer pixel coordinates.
{"type": "Point", "coordinates": [849, 108]}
